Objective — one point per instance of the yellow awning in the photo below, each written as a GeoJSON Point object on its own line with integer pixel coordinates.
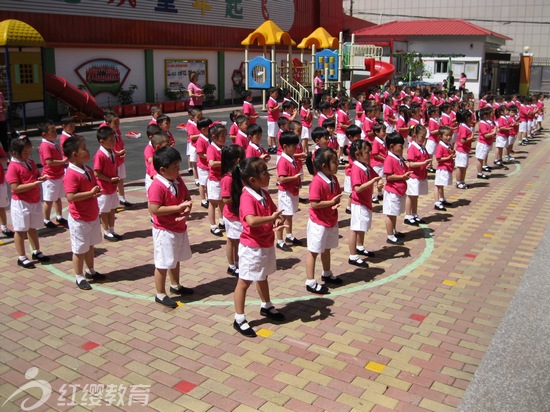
{"type": "Point", "coordinates": [268, 34]}
{"type": "Point", "coordinates": [321, 39]}
{"type": "Point", "coordinates": [19, 34]}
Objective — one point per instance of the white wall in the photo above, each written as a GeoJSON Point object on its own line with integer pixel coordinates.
{"type": "Point", "coordinates": [468, 46]}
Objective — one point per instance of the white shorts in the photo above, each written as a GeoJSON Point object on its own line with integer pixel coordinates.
{"type": "Point", "coordinates": [53, 190]}
{"type": "Point", "coordinates": [191, 152]}
{"type": "Point", "coordinates": [256, 263]}
{"type": "Point", "coordinates": [342, 139]}
{"type": "Point", "coordinates": [461, 159]}
{"type": "Point", "coordinates": [148, 183]}
{"type": "Point", "coordinates": [170, 248]}
{"type": "Point", "coordinates": [347, 184]}
{"type": "Point", "coordinates": [390, 128]}
{"type": "Point", "coordinates": [358, 123]}
{"type": "Point", "coordinates": [107, 203]}
{"type": "Point", "coordinates": [361, 218]}
{"type": "Point", "coordinates": [321, 238]}
{"type": "Point", "coordinates": [482, 150]}
{"type": "Point", "coordinates": [121, 171]}
{"type": "Point", "coordinates": [272, 129]}
{"type": "Point", "coordinates": [430, 147]}
{"type": "Point", "coordinates": [416, 187]}
{"type": "Point", "coordinates": [203, 176]}
{"type": "Point", "coordinates": [540, 118]}
{"type": "Point", "coordinates": [25, 215]}
{"type": "Point", "coordinates": [379, 169]}
{"type": "Point", "coordinates": [511, 140]}
{"type": "Point", "coordinates": [529, 125]}
{"type": "Point", "coordinates": [453, 138]}
{"type": "Point", "coordinates": [523, 127]}
{"type": "Point", "coordinates": [213, 190]}
{"type": "Point", "coordinates": [287, 203]}
{"type": "Point", "coordinates": [84, 234]}
{"type": "Point", "coordinates": [443, 178]}
{"type": "Point", "coordinates": [4, 200]}
{"type": "Point", "coordinates": [393, 205]}
{"type": "Point", "coordinates": [501, 141]}
{"type": "Point", "coordinates": [233, 228]}
{"type": "Point", "coordinates": [306, 133]}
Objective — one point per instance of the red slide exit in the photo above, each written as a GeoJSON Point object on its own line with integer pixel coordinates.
{"type": "Point", "coordinates": [380, 72]}
{"type": "Point", "coordinates": [62, 90]}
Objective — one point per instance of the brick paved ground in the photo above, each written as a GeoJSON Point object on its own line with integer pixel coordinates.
{"type": "Point", "coordinates": [406, 334]}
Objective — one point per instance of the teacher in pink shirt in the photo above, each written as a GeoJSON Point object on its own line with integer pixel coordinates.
{"type": "Point", "coordinates": [195, 91]}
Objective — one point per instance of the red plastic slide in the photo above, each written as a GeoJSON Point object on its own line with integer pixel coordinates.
{"type": "Point", "coordinates": [380, 73]}
{"type": "Point", "coordinates": [80, 101]}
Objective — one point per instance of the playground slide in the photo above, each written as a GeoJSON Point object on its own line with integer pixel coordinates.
{"type": "Point", "coordinates": [380, 71]}
{"type": "Point", "coordinates": [80, 101]}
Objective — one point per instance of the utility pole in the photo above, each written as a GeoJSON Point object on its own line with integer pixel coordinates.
{"type": "Point", "coordinates": [351, 8]}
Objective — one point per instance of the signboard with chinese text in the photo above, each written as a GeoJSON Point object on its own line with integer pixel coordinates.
{"type": "Point", "coordinates": [176, 73]}
{"type": "Point", "coordinates": [247, 14]}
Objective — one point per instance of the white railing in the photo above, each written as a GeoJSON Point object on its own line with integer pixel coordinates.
{"type": "Point", "coordinates": [355, 55]}
{"type": "Point", "coordinates": [295, 93]}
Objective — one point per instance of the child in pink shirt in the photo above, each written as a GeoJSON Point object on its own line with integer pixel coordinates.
{"type": "Point", "coordinates": [68, 127]}
{"type": "Point", "coordinates": [273, 114]}
{"type": "Point", "coordinates": [248, 108]}
{"type": "Point", "coordinates": [218, 135]}
{"type": "Point", "coordinates": [4, 200]}
{"type": "Point", "coordinates": [322, 227]}
{"type": "Point", "coordinates": [169, 204]}
{"type": "Point", "coordinates": [487, 132]}
{"type": "Point", "coordinates": [418, 160]}
{"type": "Point", "coordinates": [82, 192]}
{"type": "Point", "coordinates": [464, 140]}
{"type": "Point", "coordinates": [113, 122]}
{"type": "Point", "coordinates": [342, 123]}
{"type": "Point", "coordinates": [164, 122]}
{"type": "Point", "coordinates": [254, 133]}
{"type": "Point", "coordinates": [445, 156]}
{"type": "Point", "coordinates": [378, 155]}
{"type": "Point", "coordinates": [158, 139]}
{"type": "Point", "coordinates": [234, 128]}
{"type": "Point", "coordinates": [192, 135]}
{"type": "Point", "coordinates": [259, 218]}
{"type": "Point", "coordinates": [241, 138]}
{"type": "Point", "coordinates": [201, 145]}
{"type": "Point", "coordinates": [397, 174]}
{"type": "Point", "coordinates": [26, 211]}
{"type": "Point", "coordinates": [307, 120]}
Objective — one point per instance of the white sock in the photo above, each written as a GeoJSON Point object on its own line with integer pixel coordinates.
{"type": "Point", "coordinates": [353, 257]}
{"type": "Point", "coordinates": [22, 258]}
{"type": "Point", "coordinates": [161, 295]}
{"type": "Point", "coordinates": [409, 217]}
{"type": "Point", "coordinates": [91, 271]}
{"type": "Point", "coordinates": [3, 227]}
{"type": "Point", "coordinates": [80, 278]}
{"type": "Point", "coordinates": [280, 242]}
{"type": "Point", "coordinates": [107, 233]}
{"type": "Point", "coordinates": [232, 267]}
{"type": "Point", "coordinates": [240, 317]}
{"type": "Point", "coordinates": [290, 236]}
{"type": "Point", "coordinates": [59, 217]}
{"type": "Point", "coordinates": [175, 286]}
{"type": "Point", "coordinates": [213, 227]}
{"type": "Point", "coordinates": [266, 305]}
{"type": "Point", "coordinates": [311, 283]}
{"type": "Point", "coordinates": [326, 273]}
{"type": "Point", "coordinates": [361, 248]}
{"type": "Point", "coordinates": [47, 221]}
{"type": "Point", "coordinates": [392, 238]}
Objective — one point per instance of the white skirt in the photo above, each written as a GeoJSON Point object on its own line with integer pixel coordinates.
{"type": "Point", "coordinates": [256, 263]}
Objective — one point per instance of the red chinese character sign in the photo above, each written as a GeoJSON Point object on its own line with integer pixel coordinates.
{"type": "Point", "coordinates": [103, 75]}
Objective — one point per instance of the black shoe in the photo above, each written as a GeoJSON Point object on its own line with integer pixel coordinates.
{"type": "Point", "coordinates": [440, 207]}
{"type": "Point", "coordinates": [41, 257]}
{"type": "Point", "coordinates": [110, 237]}
{"type": "Point", "coordinates": [181, 290]}
{"type": "Point", "coordinates": [284, 247]}
{"type": "Point", "coordinates": [83, 285]}
{"type": "Point", "coordinates": [487, 169]}
{"type": "Point", "coordinates": [445, 203]}
{"type": "Point", "coordinates": [167, 301]}
{"type": "Point", "coordinates": [342, 162]}
{"type": "Point", "coordinates": [376, 201]}
{"type": "Point", "coordinates": [395, 242]}
{"type": "Point", "coordinates": [62, 221]}
{"type": "Point", "coordinates": [421, 221]}
{"type": "Point", "coordinates": [302, 200]}
{"type": "Point", "coordinates": [96, 277]}
{"type": "Point", "coordinates": [216, 232]}
{"type": "Point", "coordinates": [204, 204]}
{"type": "Point", "coordinates": [411, 222]}
{"type": "Point", "coordinates": [233, 272]}
{"type": "Point", "coordinates": [116, 235]}
{"type": "Point", "coordinates": [50, 225]}
{"type": "Point", "coordinates": [318, 289]}
{"type": "Point", "coordinates": [498, 162]}
{"type": "Point", "coordinates": [190, 171]}
{"type": "Point", "coordinates": [430, 170]}
{"type": "Point", "coordinates": [358, 262]}
{"type": "Point", "coordinates": [269, 313]}
{"type": "Point", "coordinates": [333, 280]}
{"type": "Point", "coordinates": [348, 211]}
{"type": "Point", "coordinates": [482, 176]}
{"type": "Point", "coordinates": [248, 332]}
{"type": "Point", "coordinates": [27, 265]}
{"type": "Point", "coordinates": [125, 203]}
{"type": "Point", "coordinates": [380, 197]}
{"type": "Point", "coordinates": [364, 252]}
{"type": "Point", "coordinates": [8, 233]}
{"type": "Point", "coordinates": [399, 235]}
{"type": "Point", "coordinates": [295, 241]}
{"type": "Point", "coordinates": [221, 226]}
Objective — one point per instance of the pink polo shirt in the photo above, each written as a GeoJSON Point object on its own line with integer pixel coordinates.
{"type": "Point", "coordinates": [254, 150]}
{"type": "Point", "coordinates": [361, 174]}
{"type": "Point", "coordinates": [395, 166]}
{"type": "Point", "coordinates": [23, 173]}
{"type": "Point", "coordinates": [214, 153]}
{"type": "Point", "coordinates": [378, 148]}
{"type": "Point", "coordinates": [160, 194]}
{"type": "Point", "coordinates": [444, 150]}
{"type": "Point", "coordinates": [256, 204]}
{"type": "Point", "coordinates": [202, 144]}
{"type": "Point", "coordinates": [272, 116]}
{"type": "Point", "coordinates": [192, 130]}
{"type": "Point", "coordinates": [342, 118]}
{"type": "Point", "coordinates": [79, 180]}
{"type": "Point", "coordinates": [320, 190]}
{"type": "Point", "coordinates": [417, 153]}
{"type": "Point", "coordinates": [106, 163]}
{"type": "Point", "coordinates": [226, 185]}
{"type": "Point", "coordinates": [242, 139]}
{"type": "Point", "coordinates": [250, 111]}
{"type": "Point", "coordinates": [287, 166]}
{"type": "Point", "coordinates": [51, 151]}
{"type": "Point", "coordinates": [148, 153]}
{"type": "Point", "coordinates": [307, 117]}
{"type": "Point", "coordinates": [485, 128]}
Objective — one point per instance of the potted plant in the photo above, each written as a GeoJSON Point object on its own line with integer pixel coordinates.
{"type": "Point", "coordinates": [208, 91]}
{"type": "Point", "coordinates": [126, 99]}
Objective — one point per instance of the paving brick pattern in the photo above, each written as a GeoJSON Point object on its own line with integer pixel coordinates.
{"type": "Point", "coordinates": [379, 342]}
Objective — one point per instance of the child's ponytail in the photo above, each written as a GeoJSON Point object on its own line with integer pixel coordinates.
{"type": "Point", "coordinates": [236, 190]}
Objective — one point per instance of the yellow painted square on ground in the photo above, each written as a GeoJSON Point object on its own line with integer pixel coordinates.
{"type": "Point", "coordinates": [375, 367]}
{"type": "Point", "coordinates": [449, 282]}
{"type": "Point", "coordinates": [453, 197]}
{"type": "Point", "coordinates": [487, 235]}
{"type": "Point", "coordinates": [265, 333]}
{"type": "Point", "coordinates": [512, 204]}
{"type": "Point", "coordinates": [179, 303]}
